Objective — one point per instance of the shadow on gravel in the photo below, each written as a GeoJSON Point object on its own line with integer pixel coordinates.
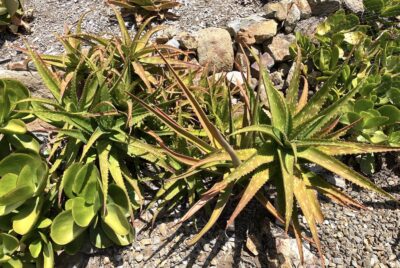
{"type": "Point", "coordinates": [250, 223]}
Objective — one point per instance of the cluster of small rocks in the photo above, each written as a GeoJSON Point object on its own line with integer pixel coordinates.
{"type": "Point", "coordinates": [270, 33]}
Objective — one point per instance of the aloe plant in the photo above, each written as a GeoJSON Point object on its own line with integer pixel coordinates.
{"type": "Point", "coordinates": [294, 133]}
{"type": "Point", "coordinates": [142, 9]}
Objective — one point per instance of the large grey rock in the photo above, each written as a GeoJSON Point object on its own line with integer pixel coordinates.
{"type": "Point", "coordinates": [215, 48]}
{"type": "Point", "coordinates": [258, 32]}
{"type": "Point", "coordinates": [279, 46]}
{"type": "Point", "coordinates": [324, 7]}
{"type": "Point", "coordinates": [31, 80]}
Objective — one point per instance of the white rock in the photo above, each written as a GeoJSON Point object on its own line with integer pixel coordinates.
{"type": "Point", "coordinates": [173, 43]}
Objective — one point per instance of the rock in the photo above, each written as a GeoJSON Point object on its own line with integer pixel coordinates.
{"type": "Point", "coordinates": [324, 7]}
{"type": "Point", "coordinates": [173, 43]}
{"type": "Point", "coordinates": [163, 229]}
{"type": "Point", "coordinates": [235, 78]}
{"type": "Point", "coordinates": [106, 260]}
{"type": "Point", "coordinates": [337, 181]}
{"type": "Point", "coordinates": [266, 62]}
{"type": "Point", "coordinates": [277, 79]}
{"type": "Point", "coordinates": [279, 47]}
{"type": "Point", "coordinates": [257, 33]}
{"type": "Point", "coordinates": [356, 6]}
{"type": "Point", "coordinates": [287, 247]}
{"type": "Point", "coordinates": [234, 26]}
{"type": "Point", "coordinates": [145, 242]}
{"type": "Point", "coordinates": [304, 8]}
{"type": "Point", "coordinates": [31, 80]}
{"type": "Point", "coordinates": [215, 48]}
{"type": "Point", "coordinates": [139, 257]}
{"type": "Point", "coordinates": [187, 41]}
{"type": "Point", "coordinates": [309, 26]}
{"type": "Point", "coordinates": [277, 10]}
{"type": "Point", "coordinates": [293, 16]}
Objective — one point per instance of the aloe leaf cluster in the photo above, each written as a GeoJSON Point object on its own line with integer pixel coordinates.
{"type": "Point", "coordinates": [143, 9]}
{"type": "Point", "coordinates": [294, 133]}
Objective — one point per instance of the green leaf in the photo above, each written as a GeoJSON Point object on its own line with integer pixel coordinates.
{"type": "Point", "coordinates": [12, 6]}
{"type": "Point", "coordinates": [332, 164]}
{"type": "Point", "coordinates": [219, 207]}
{"type": "Point", "coordinates": [256, 182]}
{"type": "Point", "coordinates": [64, 229]}
{"type": "Point", "coordinates": [287, 162]}
{"type": "Point", "coordinates": [49, 78]}
{"type": "Point", "coordinates": [14, 126]}
{"type": "Point", "coordinates": [8, 244]}
{"type": "Point", "coordinates": [82, 212]}
{"type": "Point", "coordinates": [35, 248]}
{"type": "Point", "coordinates": [116, 220]}
{"type": "Point", "coordinates": [27, 216]}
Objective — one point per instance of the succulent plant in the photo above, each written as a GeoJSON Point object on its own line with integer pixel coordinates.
{"type": "Point", "coordinates": [276, 147]}
{"type": "Point", "coordinates": [13, 131]}
{"type": "Point", "coordinates": [23, 182]}
{"type": "Point", "coordinates": [81, 184]}
{"type": "Point", "coordinates": [142, 9]}
{"type": "Point", "coordinates": [11, 12]}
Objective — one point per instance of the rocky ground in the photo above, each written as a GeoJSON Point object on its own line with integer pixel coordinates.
{"type": "Point", "coordinates": [369, 238]}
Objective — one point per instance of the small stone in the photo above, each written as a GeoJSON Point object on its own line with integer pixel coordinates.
{"type": "Point", "coordinates": [215, 48]}
{"type": "Point", "coordinates": [156, 240]}
{"type": "Point", "coordinates": [356, 6]}
{"type": "Point", "coordinates": [277, 10]}
{"type": "Point", "coordinates": [337, 181]}
{"type": "Point", "coordinates": [163, 229]}
{"type": "Point", "coordinates": [308, 26]}
{"type": "Point", "coordinates": [106, 260]}
{"type": "Point", "coordinates": [293, 17]}
{"type": "Point", "coordinates": [234, 26]}
{"type": "Point", "coordinates": [207, 248]}
{"type": "Point", "coordinates": [173, 43]}
{"type": "Point", "coordinates": [257, 33]}
{"type": "Point", "coordinates": [266, 61]}
{"type": "Point", "coordinates": [279, 47]}
{"type": "Point", "coordinates": [187, 41]}
{"type": "Point", "coordinates": [146, 241]}
{"type": "Point", "coordinates": [304, 8]}
{"type": "Point", "coordinates": [324, 7]}
{"type": "Point", "coordinates": [139, 257]}
{"type": "Point", "coordinates": [235, 78]}
{"type": "Point", "coordinates": [338, 260]}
